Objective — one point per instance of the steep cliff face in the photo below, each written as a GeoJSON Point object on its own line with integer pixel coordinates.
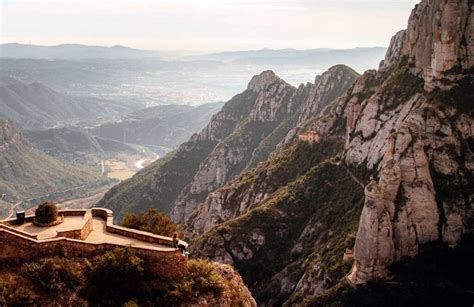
{"type": "Point", "coordinates": [417, 142]}
{"type": "Point", "coordinates": [9, 136]}
{"type": "Point", "coordinates": [440, 40]}
{"type": "Point", "coordinates": [248, 190]}
{"type": "Point", "coordinates": [290, 245]}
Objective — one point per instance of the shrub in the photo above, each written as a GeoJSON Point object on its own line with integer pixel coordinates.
{"type": "Point", "coordinates": [53, 274]}
{"type": "Point", "coordinates": [22, 297]}
{"type": "Point", "coordinates": [46, 213]}
{"type": "Point", "coordinates": [152, 221]}
{"type": "Point", "coordinates": [14, 291]}
{"type": "Point", "coordinates": [114, 277]}
{"type": "Point", "coordinates": [203, 278]}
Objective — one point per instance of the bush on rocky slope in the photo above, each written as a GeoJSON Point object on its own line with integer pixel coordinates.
{"type": "Point", "coordinates": [151, 221]}
{"type": "Point", "coordinates": [118, 278]}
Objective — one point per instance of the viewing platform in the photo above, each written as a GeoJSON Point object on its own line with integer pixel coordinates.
{"type": "Point", "coordinates": [84, 233]}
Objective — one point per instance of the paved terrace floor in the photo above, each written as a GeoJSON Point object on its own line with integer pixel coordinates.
{"type": "Point", "coordinates": [98, 234]}
{"type": "Point", "coordinates": [70, 222]}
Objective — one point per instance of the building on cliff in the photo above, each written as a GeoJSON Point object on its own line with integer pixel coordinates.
{"type": "Point", "coordinates": [310, 136]}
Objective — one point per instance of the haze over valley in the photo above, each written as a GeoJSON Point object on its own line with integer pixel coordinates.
{"type": "Point", "coordinates": [237, 153]}
{"type": "Point", "coordinates": [117, 109]}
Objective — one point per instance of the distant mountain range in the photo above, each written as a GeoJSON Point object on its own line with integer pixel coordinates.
{"type": "Point", "coordinates": [72, 52]}
{"type": "Point", "coordinates": [358, 58]}
{"type": "Point", "coordinates": [34, 105]}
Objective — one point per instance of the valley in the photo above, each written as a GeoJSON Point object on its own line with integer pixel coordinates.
{"type": "Point", "coordinates": [124, 167]}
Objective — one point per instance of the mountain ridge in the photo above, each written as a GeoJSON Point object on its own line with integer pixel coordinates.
{"type": "Point", "coordinates": [268, 103]}
{"type": "Point", "coordinates": [28, 173]}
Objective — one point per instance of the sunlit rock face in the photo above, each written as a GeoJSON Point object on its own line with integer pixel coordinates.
{"type": "Point", "coordinates": [440, 39]}
{"type": "Point", "coordinates": [416, 139]}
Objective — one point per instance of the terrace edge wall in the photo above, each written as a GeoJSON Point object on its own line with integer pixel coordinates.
{"type": "Point", "coordinates": [17, 246]}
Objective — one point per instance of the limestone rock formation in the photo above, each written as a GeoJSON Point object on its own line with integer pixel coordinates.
{"type": "Point", "coordinates": [440, 39]}
{"type": "Point", "coordinates": [420, 134]}
{"type": "Point", "coordinates": [305, 103]}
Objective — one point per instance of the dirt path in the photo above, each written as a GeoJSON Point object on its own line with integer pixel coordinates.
{"type": "Point", "coordinates": [355, 178]}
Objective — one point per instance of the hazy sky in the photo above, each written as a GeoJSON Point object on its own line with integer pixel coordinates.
{"type": "Point", "coordinates": [205, 24]}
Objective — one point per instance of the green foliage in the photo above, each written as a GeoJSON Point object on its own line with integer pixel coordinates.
{"type": "Point", "coordinates": [13, 294]}
{"type": "Point", "coordinates": [460, 96]}
{"type": "Point", "coordinates": [46, 213]}
{"type": "Point", "coordinates": [119, 267]}
{"type": "Point", "coordinates": [323, 199]}
{"type": "Point", "coordinates": [116, 276]}
{"type": "Point", "coordinates": [22, 297]}
{"type": "Point", "coordinates": [203, 278]}
{"type": "Point", "coordinates": [152, 221]}
{"type": "Point", "coordinates": [401, 85]}
{"type": "Point", "coordinates": [53, 274]}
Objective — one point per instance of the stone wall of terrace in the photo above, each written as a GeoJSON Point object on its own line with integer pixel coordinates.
{"type": "Point", "coordinates": [160, 258]}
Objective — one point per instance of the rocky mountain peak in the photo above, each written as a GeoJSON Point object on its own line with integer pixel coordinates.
{"type": "Point", "coordinates": [326, 88]}
{"type": "Point", "coordinates": [263, 81]}
{"type": "Point", "coordinates": [394, 51]}
{"type": "Point", "coordinates": [439, 40]}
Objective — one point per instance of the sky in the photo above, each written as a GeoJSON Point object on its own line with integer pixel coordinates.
{"type": "Point", "coordinates": [205, 25]}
